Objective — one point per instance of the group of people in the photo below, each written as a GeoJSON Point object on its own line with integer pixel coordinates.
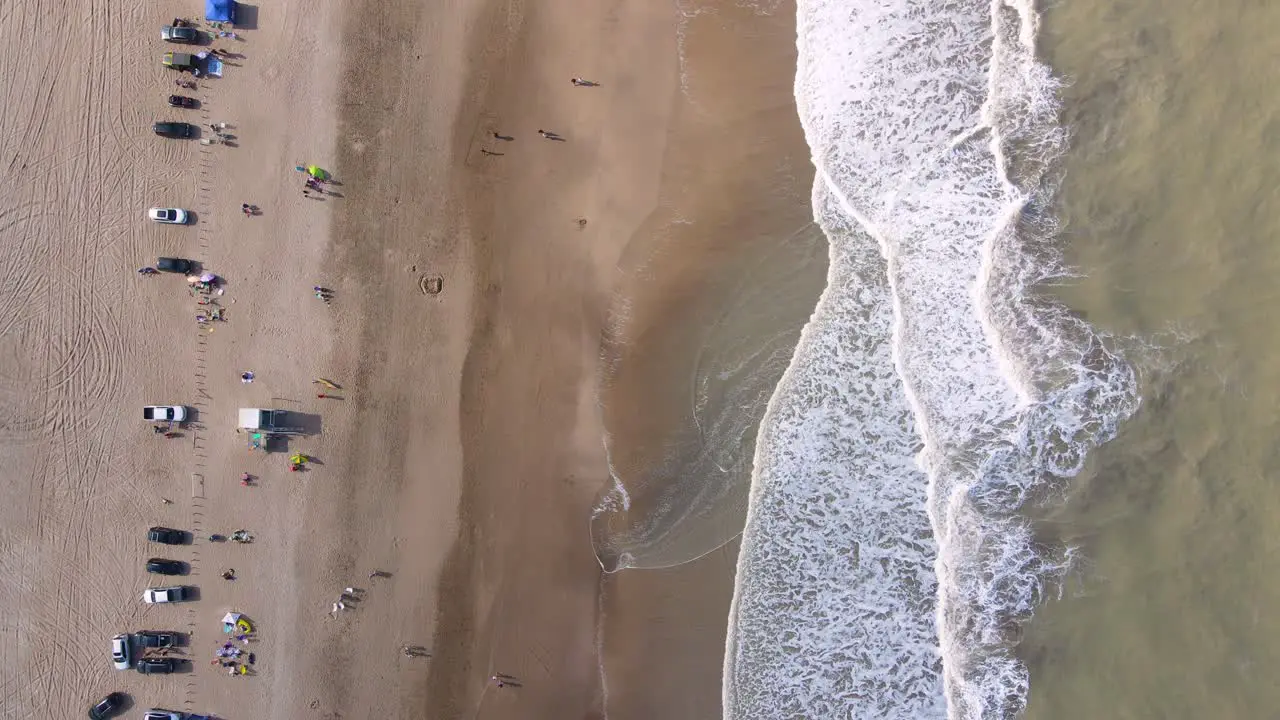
{"type": "Point", "coordinates": [236, 660]}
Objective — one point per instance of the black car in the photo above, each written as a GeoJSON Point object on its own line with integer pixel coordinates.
{"type": "Point", "coordinates": [174, 129]}
{"type": "Point", "coordinates": [157, 666]}
{"type": "Point", "coordinates": [156, 639]}
{"type": "Point", "coordinates": [160, 566]}
{"type": "Point", "coordinates": [174, 265]}
{"type": "Point", "coordinates": [168, 536]}
{"type": "Point", "coordinates": [182, 101]}
{"type": "Point", "coordinates": [107, 706]}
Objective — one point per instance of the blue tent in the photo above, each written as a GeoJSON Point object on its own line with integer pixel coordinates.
{"type": "Point", "coordinates": [220, 11]}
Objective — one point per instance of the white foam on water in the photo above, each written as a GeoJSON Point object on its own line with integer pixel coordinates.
{"type": "Point", "coordinates": [870, 585]}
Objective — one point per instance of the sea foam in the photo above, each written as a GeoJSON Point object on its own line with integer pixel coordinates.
{"type": "Point", "coordinates": [885, 566]}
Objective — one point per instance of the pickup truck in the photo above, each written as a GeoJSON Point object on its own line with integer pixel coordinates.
{"type": "Point", "coordinates": [179, 61]}
{"type": "Point", "coordinates": [156, 639]}
{"type": "Point", "coordinates": [164, 413]}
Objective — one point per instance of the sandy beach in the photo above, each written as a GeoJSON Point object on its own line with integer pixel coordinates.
{"type": "Point", "coordinates": [461, 455]}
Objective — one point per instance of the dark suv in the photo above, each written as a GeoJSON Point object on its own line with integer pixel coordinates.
{"type": "Point", "coordinates": [157, 666]}
{"type": "Point", "coordinates": [161, 566]}
{"type": "Point", "coordinates": [107, 707]}
{"type": "Point", "coordinates": [168, 536]}
{"type": "Point", "coordinates": [174, 265]}
{"type": "Point", "coordinates": [174, 129]}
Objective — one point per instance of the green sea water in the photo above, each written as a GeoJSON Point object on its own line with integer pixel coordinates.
{"type": "Point", "coordinates": [1171, 215]}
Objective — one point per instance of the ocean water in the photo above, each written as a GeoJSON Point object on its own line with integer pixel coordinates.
{"type": "Point", "coordinates": [1171, 207]}
{"type": "Point", "coordinates": [937, 395]}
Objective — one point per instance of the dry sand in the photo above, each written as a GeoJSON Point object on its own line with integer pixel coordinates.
{"type": "Point", "coordinates": [464, 452]}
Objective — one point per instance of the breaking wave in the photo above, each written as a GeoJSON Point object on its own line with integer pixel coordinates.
{"type": "Point", "coordinates": [886, 566]}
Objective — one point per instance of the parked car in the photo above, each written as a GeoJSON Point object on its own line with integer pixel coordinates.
{"type": "Point", "coordinates": [164, 413]}
{"type": "Point", "coordinates": [157, 666]}
{"type": "Point", "coordinates": [158, 714]}
{"type": "Point", "coordinates": [174, 129]}
{"type": "Point", "coordinates": [181, 266]}
{"type": "Point", "coordinates": [160, 566]}
{"type": "Point", "coordinates": [183, 62]}
{"type": "Point", "coordinates": [107, 707]}
{"type": "Point", "coordinates": [121, 653]}
{"type": "Point", "coordinates": [156, 639]}
{"type": "Point", "coordinates": [170, 216]}
{"type": "Point", "coordinates": [182, 101]}
{"type": "Point", "coordinates": [181, 34]}
{"type": "Point", "coordinates": [168, 536]}
{"type": "Point", "coordinates": [176, 593]}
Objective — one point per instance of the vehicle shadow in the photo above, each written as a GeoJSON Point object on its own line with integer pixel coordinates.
{"type": "Point", "coordinates": [246, 16]}
{"type": "Point", "coordinates": [192, 594]}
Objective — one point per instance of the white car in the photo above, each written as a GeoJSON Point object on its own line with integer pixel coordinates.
{"type": "Point", "coordinates": [172, 216]}
{"type": "Point", "coordinates": [164, 413]}
{"type": "Point", "coordinates": [120, 652]}
{"type": "Point", "coordinates": [177, 593]}
{"type": "Point", "coordinates": [158, 714]}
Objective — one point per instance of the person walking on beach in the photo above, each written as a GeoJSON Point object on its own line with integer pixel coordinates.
{"type": "Point", "coordinates": [500, 136]}
{"type": "Point", "coordinates": [579, 82]}
{"type": "Point", "coordinates": [547, 134]}
{"type": "Point", "coordinates": [244, 208]}
{"type": "Point", "coordinates": [503, 680]}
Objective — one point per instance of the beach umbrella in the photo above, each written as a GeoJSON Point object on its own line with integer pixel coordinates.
{"type": "Point", "coordinates": [229, 621]}
{"type": "Point", "coordinates": [316, 172]}
{"type": "Point", "coordinates": [298, 459]}
{"type": "Point", "coordinates": [208, 277]}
